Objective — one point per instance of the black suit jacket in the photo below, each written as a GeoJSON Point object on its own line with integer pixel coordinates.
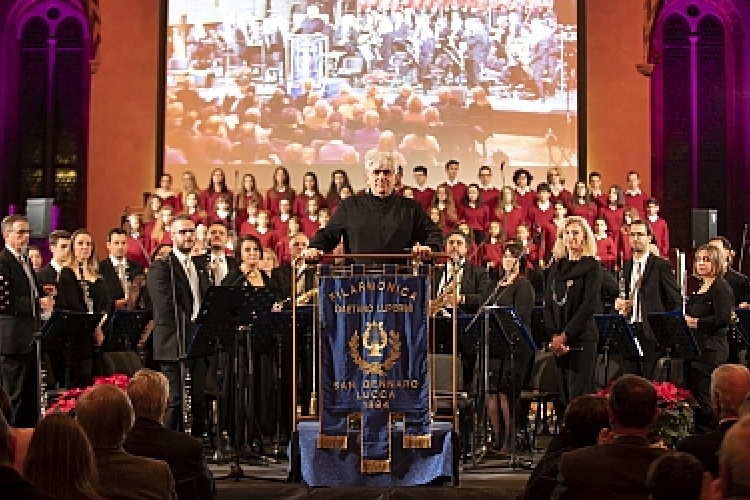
{"type": "Point", "coordinates": [13, 485]}
{"type": "Point", "coordinates": [740, 285]}
{"type": "Point", "coordinates": [704, 446]}
{"type": "Point", "coordinates": [475, 285]}
{"type": "Point", "coordinates": [658, 292]}
{"type": "Point", "coordinates": [614, 471]}
{"type": "Point", "coordinates": [183, 454]}
{"type": "Point", "coordinates": [112, 281]}
{"type": "Point", "coordinates": [168, 309]}
{"type": "Point", "coordinates": [47, 275]}
{"type": "Point", "coordinates": [17, 324]}
{"type": "Point", "coordinates": [205, 261]}
{"type": "Point", "coordinates": [281, 281]}
{"type": "Point", "coordinates": [123, 476]}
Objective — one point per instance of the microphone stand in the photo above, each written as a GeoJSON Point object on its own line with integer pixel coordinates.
{"type": "Point", "coordinates": [179, 318]}
{"type": "Point", "coordinates": [37, 340]}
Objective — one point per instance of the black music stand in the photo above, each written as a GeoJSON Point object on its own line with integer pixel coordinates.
{"type": "Point", "coordinates": [616, 337]}
{"type": "Point", "coordinates": [126, 329]}
{"type": "Point", "coordinates": [743, 323]}
{"type": "Point", "coordinates": [237, 308]}
{"type": "Point", "coordinates": [674, 336]}
{"type": "Point", "coordinates": [67, 330]}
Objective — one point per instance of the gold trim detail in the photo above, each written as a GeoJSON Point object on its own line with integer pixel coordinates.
{"type": "Point", "coordinates": [375, 466]}
{"type": "Point", "coordinates": [418, 441]}
{"type": "Point", "coordinates": [328, 442]}
{"type": "Point", "coordinates": [372, 367]}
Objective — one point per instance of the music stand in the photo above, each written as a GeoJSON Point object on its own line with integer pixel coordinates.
{"type": "Point", "coordinates": [615, 337]}
{"type": "Point", "coordinates": [238, 308]}
{"type": "Point", "coordinates": [66, 330]}
{"type": "Point", "coordinates": [674, 336]}
{"type": "Point", "coordinates": [126, 329]}
{"type": "Point", "coordinates": [743, 323]}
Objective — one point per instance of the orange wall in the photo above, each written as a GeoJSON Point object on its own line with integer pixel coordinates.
{"type": "Point", "coordinates": [124, 91]}
{"type": "Point", "coordinates": [618, 128]}
{"type": "Point", "coordinates": [123, 112]}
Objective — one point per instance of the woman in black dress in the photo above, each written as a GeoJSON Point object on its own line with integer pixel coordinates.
{"type": "Point", "coordinates": [572, 295]}
{"type": "Point", "coordinates": [708, 314]}
{"type": "Point", "coordinates": [513, 290]}
{"type": "Point", "coordinates": [81, 289]}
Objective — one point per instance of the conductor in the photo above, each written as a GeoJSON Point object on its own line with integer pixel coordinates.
{"type": "Point", "coordinates": [378, 221]}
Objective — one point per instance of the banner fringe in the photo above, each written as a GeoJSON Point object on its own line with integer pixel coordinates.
{"type": "Point", "coordinates": [375, 466]}
{"type": "Point", "coordinates": [418, 441]}
{"type": "Point", "coordinates": [328, 442]}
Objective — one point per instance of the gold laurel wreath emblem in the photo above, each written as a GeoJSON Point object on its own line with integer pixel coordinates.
{"type": "Point", "coordinates": [375, 368]}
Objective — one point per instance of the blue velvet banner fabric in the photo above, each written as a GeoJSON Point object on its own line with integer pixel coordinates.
{"type": "Point", "coordinates": [374, 363]}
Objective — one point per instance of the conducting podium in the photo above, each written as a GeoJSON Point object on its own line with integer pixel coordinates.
{"type": "Point", "coordinates": [376, 422]}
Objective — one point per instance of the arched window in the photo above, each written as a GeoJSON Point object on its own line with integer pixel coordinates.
{"type": "Point", "coordinates": [47, 91]}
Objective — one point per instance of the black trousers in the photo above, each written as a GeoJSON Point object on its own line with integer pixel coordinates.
{"type": "Point", "coordinates": [198, 370]}
{"type": "Point", "coordinates": [576, 372]}
{"type": "Point", "coordinates": [645, 366]}
{"type": "Point", "coordinates": [699, 384]}
{"type": "Point", "coordinates": [19, 379]}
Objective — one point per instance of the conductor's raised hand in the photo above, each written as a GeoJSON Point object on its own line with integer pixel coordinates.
{"type": "Point", "coordinates": [311, 254]}
{"type": "Point", "coordinates": [421, 252]}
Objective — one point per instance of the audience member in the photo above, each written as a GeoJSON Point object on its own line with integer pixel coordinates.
{"type": "Point", "coordinates": [12, 483]}
{"type": "Point", "coordinates": [734, 458]}
{"type": "Point", "coordinates": [729, 386]}
{"type": "Point", "coordinates": [675, 476]}
{"type": "Point", "coordinates": [106, 415]}
{"type": "Point", "coordinates": [69, 474]}
{"type": "Point", "coordinates": [616, 468]}
{"type": "Point", "coordinates": [21, 437]}
{"type": "Point", "coordinates": [149, 391]}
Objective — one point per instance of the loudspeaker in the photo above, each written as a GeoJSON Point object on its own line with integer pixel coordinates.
{"type": "Point", "coordinates": [39, 213]}
{"type": "Point", "coordinates": [704, 223]}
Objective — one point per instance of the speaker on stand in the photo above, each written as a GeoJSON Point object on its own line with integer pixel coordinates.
{"type": "Point", "coordinates": [704, 223]}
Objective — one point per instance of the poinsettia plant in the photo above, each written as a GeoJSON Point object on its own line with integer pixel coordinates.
{"type": "Point", "coordinates": [66, 401]}
{"type": "Point", "coordinates": [675, 413]}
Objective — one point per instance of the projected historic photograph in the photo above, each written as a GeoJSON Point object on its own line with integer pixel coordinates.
{"type": "Point", "coordinates": [302, 83]}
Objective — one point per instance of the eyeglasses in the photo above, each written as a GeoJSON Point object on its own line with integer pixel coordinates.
{"type": "Point", "coordinates": [22, 231]}
{"type": "Point", "coordinates": [638, 235]}
{"type": "Point", "coordinates": [185, 232]}
{"type": "Point", "coordinates": [383, 172]}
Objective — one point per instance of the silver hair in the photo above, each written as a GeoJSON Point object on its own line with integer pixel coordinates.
{"type": "Point", "coordinates": [376, 159]}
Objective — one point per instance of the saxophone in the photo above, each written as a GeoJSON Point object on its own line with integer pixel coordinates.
{"type": "Point", "coordinates": [438, 304]}
{"type": "Point", "coordinates": [308, 296]}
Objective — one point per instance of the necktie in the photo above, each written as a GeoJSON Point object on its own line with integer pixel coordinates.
{"type": "Point", "coordinates": [123, 275]}
{"type": "Point", "coordinates": [219, 268]}
{"type": "Point", "coordinates": [300, 283]}
{"type": "Point", "coordinates": [192, 277]}
{"type": "Point", "coordinates": [636, 284]}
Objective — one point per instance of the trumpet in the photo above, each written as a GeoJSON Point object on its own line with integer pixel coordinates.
{"type": "Point", "coordinates": [307, 297]}
{"type": "Point", "coordinates": [439, 303]}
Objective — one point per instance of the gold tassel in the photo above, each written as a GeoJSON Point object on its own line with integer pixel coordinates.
{"type": "Point", "coordinates": [375, 466]}
{"type": "Point", "coordinates": [415, 441]}
{"type": "Point", "coordinates": [328, 442]}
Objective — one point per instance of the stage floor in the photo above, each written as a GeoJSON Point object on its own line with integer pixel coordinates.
{"type": "Point", "coordinates": [491, 479]}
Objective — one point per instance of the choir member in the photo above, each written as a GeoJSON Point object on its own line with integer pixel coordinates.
{"type": "Point", "coordinates": [472, 255]}
{"type": "Point", "coordinates": [624, 249]}
{"type": "Point", "coordinates": [309, 222]}
{"type": "Point", "coordinates": [613, 212]}
{"type": "Point", "coordinates": [160, 233]}
{"type": "Point", "coordinates": [512, 290]}
{"type": "Point", "coordinates": [81, 289]}
{"type": "Point", "coordinates": [492, 249]}
{"type": "Point", "coordinates": [324, 215]}
{"type": "Point", "coordinates": [280, 190]}
{"type": "Point", "coordinates": [222, 211]}
{"type": "Point", "coordinates": [606, 249]}
{"type": "Point", "coordinates": [633, 196]}
{"type": "Point", "coordinates": [523, 236]}
{"type": "Point", "coordinates": [557, 186]}
{"type": "Point", "coordinates": [217, 187]}
{"type": "Point", "coordinates": [293, 228]}
{"type": "Point", "coordinates": [708, 314]}
{"type": "Point", "coordinates": [193, 209]}
{"type": "Point", "coordinates": [168, 197]}
{"type": "Point", "coordinates": [457, 188]}
{"type": "Point", "coordinates": [281, 220]}
{"type": "Point", "coordinates": [525, 196]}
{"type": "Point", "coordinates": [509, 213]}
{"type": "Point", "coordinates": [475, 212]}
{"type": "Point", "coordinates": [551, 230]}
{"type": "Point", "coordinates": [270, 260]}
{"type": "Point", "coordinates": [309, 191]}
{"type": "Point", "coordinates": [250, 220]}
{"type": "Point", "coordinates": [339, 179]}
{"type": "Point", "coordinates": [137, 251]}
{"type": "Point", "coordinates": [436, 216]}
{"type": "Point", "coordinates": [572, 296]}
{"type": "Point", "coordinates": [422, 193]}
{"type": "Point", "coordinates": [150, 214]}
{"type": "Point", "coordinates": [659, 227]}
{"type": "Point", "coordinates": [595, 190]}
{"type": "Point", "coordinates": [582, 205]}
{"type": "Point", "coordinates": [541, 212]}
{"type": "Point", "coordinates": [490, 194]}
{"type": "Point", "coordinates": [444, 201]}
{"type": "Point", "coordinates": [248, 193]}
{"type": "Point", "coordinates": [189, 183]}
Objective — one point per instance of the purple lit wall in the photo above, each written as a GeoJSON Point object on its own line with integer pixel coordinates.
{"type": "Point", "coordinates": [700, 111]}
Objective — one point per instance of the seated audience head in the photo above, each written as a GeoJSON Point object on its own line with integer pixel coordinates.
{"type": "Point", "coordinates": [675, 476]}
{"type": "Point", "coordinates": [734, 458]}
{"type": "Point", "coordinates": [730, 383]}
{"type": "Point", "coordinates": [584, 419]}
{"type": "Point", "coordinates": [148, 391]}
{"type": "Point", "coordinates": [632, 405]}
{"type": "Point", "coordinates": [60, 460]}
{"type": "Point", "coordinates": [106, 415]}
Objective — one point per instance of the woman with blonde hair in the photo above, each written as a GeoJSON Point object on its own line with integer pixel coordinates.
{"type": "Point", "coordinates": [572, 296]}
{"type": "Point", "coordinates": [60, 460]}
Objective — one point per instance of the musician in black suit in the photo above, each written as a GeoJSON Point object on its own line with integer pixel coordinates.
{"type": "Point", "coordinates": [283, 276]}
{"type": "Point", "coordinates": [117, 271]}
{"type": "Point", "coordinates": [572, 295]}
{"type": "Point", "coordinates": [617, 468]}
{"type": "Point", "coordinates": [730, 384]}
{"type": "Point", "coordinates": [19, 322]}
{"type": "Point", "coordinates": [648, 285]}
{"type": "Point", "coordinates": [176, 285]}
{"type": "Point", "coordinates": [59, 245]}
{"type": "Point", "coordinates": [218, 263]}
{"type": "Point", "coordinates": [740, 287]}
{"type": "Point", "coordinates": [468, 293]}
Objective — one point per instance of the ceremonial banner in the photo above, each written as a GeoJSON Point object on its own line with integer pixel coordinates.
{"type": "Point", "coordinates": [373, 362]}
